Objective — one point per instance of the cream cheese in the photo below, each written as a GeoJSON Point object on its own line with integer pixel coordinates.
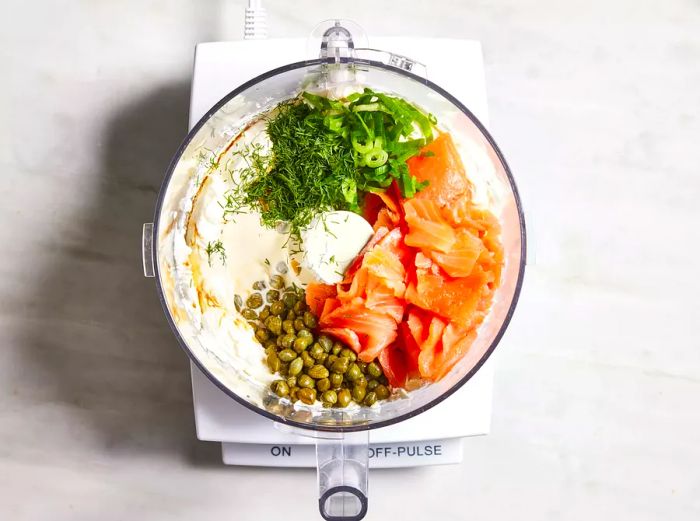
{"type": "Point", "coordinates": [331, 242]}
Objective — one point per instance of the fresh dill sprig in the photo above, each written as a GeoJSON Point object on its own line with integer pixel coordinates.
{"type": "Point", "coordinates": [217, 248]}
{"type": "Point", "coordinates": [306, 172]}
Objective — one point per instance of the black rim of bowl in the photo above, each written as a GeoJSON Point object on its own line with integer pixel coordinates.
{"type": "Point", "coordinates": [365, 425]}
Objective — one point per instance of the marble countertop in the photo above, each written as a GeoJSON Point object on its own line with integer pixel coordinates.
{"type": "Point", "coordinates": [597, 396]}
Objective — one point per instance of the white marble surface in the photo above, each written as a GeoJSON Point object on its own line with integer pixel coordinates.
{"type": "Point", "coordinates": [596, 408]}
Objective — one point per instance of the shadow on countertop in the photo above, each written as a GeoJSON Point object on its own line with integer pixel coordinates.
{"type": "Point", "coordinates": [105, 349]}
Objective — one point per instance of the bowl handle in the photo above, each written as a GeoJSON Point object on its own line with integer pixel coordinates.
{"type": "Point", "coordinates": [147, 250]}
{"type": "Point", "coordinates": [342, 465]}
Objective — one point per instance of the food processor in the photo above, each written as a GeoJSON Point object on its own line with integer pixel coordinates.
{"type": "Point", "coordinates": [341, 436]}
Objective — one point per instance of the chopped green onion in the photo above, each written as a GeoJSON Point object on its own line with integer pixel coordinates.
{"type": "Point", "coordinates": [361, 147]}
{"type": "Point", "coordinates": [376, 157]}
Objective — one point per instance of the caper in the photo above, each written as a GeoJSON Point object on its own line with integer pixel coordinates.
{"type": "Point", "coordinates": [353, 372]}
{"type": "Point", "coordinates": [288, 326]}
{"type": "Point", "coordinates": [358, 393]}
{"type": "Point", "coordinates": [291, 315]}
{"type": "Point", "coordinates": [280, 388]}
{"type": "Point", "coordinates": [337, 348]}
{"type": "Point", "coordinates": [341, 365]}
{"type": "Point", "coordinates": [270, 349]}
{"type": "Point", "coordinates": [274, 324]}
{"type": "Point", "coordinates": [363, 366]}
{"type": "Point", "coordinates": [349, 353]}
{"type": "Point", "coordinates": [330, 397]}
{"type": "Point", "coordinates": [316, 351]}
{"type": "Point", "coordinates": [254, 301]}
{"type": "Point", "coordinates": [326, 343]}
{"type": "Point", "coordinates": [296, 366]}
{"type": "Point", "coordinates": [329, 360]}
{"type": "Point", "coordinates": [336, 380]}
{"type": "Point", "coordinates": [318, 371]}
{"type": "Point", "coordinates": [293, 393]}
{"type": "Point", "coordinates": [238, 302]}
{"type": "Point", "coordinates": [322, 359]}
{"type": "Point", "coordinates": [372, 385]}
{"type": "Point", "coordinates": [272, 296]}
{"type": "Point", "coordinates": [310, 320]}
{"type": "Point", "coordinates": [308, 361]}
{"type": "Point", "coordinates": [370, 399]}
{"type": "Point", "coordinates": [323, 384]}
{"type": "Point", "coordinates": [287, 355]}
{"type": "Point", "coordinates": [305, 381]}
{"type": "Point", "coordinates": [299, 324]}
{"type": "Point", "coordinates": [277, 308]}
{"type": "Point", "coordinates": [286, 341]}
{"type": "Point", "coordinates": [262, 335]}
{"type": "Point", "coordinates": [373, 370]}
{"type": "Point", "coordinates": [289, 300]}
{"type": "Point", "coordinates": [305, 333]}
{"type": "Point", "coordinates": [259, 285]}
{"type": "Point", "coordinates": [264, 313]}
{"type": "Point", "coordinates": [306, 395]}
{"type": "Point", "coordinates": [273, 362]}
{"type": "Point", "coordinates": [249, 314]}
{"type": "Point", "coordinates": [382, 392]}
{"type": "Point", "coordinates": [302, 343]}
{"type": "Point", "coordinates": [284, 369]}
{"type": "Point", "coordinates": [291, 380]}
{"type": "Point", "coordinates": [344, 398]}
{"type": "Point", "coordinates": [299, 307]}
{"type": "Point", "coordinates": [361, 381]}
{"type": "Point", "coordinates": [277, 282]}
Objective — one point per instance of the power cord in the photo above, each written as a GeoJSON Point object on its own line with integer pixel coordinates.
{"type": "Point", "coordinates": [255, 21]}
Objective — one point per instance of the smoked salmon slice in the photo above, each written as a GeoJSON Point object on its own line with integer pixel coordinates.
{"type": "Point", "coordinates": [428, 348]}
{"type": "Point", "coordinates": [439, 163]}
{"type": "Point", "coordinates": [455, 344]}
{"type": "Point", "coordinates": [316, 295]}
{"type": "Point", "coordinates": [459, 261]}
{"type": "Point", "coordinates": [386, 219]}
{"type": "Point", "coordinates": [427, 228]}
{"type": "Point", "coordinates": [374, 329]}
{"type": "Point", "coordinates": [454, 299]}
{"type": "Point", "coordinates": [399, 363]}
{"type": "Point", "coordinates": [382, 298]}
{"type": "Point", "coordinates": [345, 335]}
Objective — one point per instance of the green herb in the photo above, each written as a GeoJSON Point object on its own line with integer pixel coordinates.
{"type": "Point", "coordinates": [306, 173]}
{"type": "Point", "coordinates": [216, 248]}
{"type": "Point", "coordinates": [267, 261]}
{"type": "Point", "coordinates": [326, 154]}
